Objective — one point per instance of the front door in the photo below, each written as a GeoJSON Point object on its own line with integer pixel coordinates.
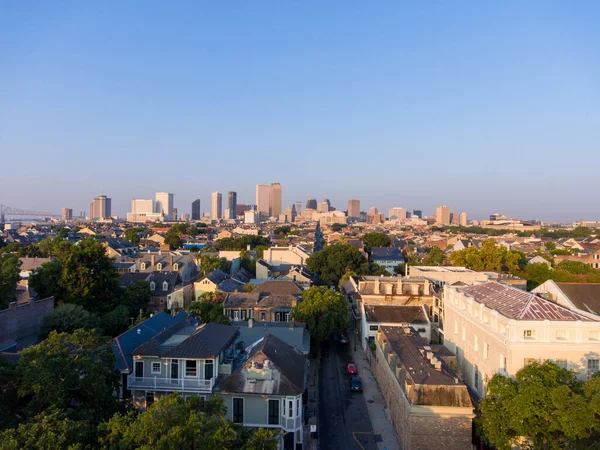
{"type": "Point", "coordinates": [174, 368]}
{"type": "Point", "coordinates": [138, 369]}
{"type": "Point", "coordinates": [208, 370]}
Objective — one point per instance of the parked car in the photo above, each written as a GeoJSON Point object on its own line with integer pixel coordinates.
{"type": "Point", "coordinates": [355, 384]}
{"type": "Point", "coordinates": [351, 368]}
{"type": "Point", "coordinates": [343, 338]}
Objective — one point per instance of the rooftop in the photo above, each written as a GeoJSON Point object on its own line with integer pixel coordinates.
{"type": "Point", "coordinates": [395, 314]}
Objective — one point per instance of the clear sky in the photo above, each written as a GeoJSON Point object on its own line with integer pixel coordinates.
{"type": "Point", "coordinates": [484, 106]}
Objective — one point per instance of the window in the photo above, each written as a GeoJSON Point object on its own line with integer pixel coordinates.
{"type": "Point", "coordinates": [274, 412]}
{"type": "Point", "coordinates": [238, 410]}
{"type": "Point", "coordinates": [561, 362]}
{"type": "Point", "coordinates": [486, 350]}
{"type": "Point", "coordinates": [594, 335]}
{"type": "Point", "coordinates": [374, 327]}
{"type": "Point", "coordinates": [138, 369]}
{"type": "Point", "coordinates": [156, 367]}
{"type": "Point", "coordinates": [149, 399]}
{"type": "Point", "coordinates": [593, 365]}
{"type": "Point", "coordinates": [503, 362]}
{"type": "Point", "coordinates": [476, 343]}
{"type": "Point", "coordinates": [464, 333]}
{"type": "Point", "coordinates": [175, 266]}
{"type": "Point", "coordinates": [476, 377]}
{"type": "Point", "coordinates": [562, 335]}
{"type": "Point", "coordinates": [244, 314]}
{"type": "Point", "coordinates": [191, 369]}
{"type": "Point", "coordinates": [208, 369]}
{"type": "Point", "coordinates": [291, 408]}
{"type": "Point", "coordinates": [287, 317]}
{"type": "Point", "coordinates": [297, 406]}
{"type": "Point", "coordinates": [159, 266]}
{"type": "Point", "coordinates": [236, 315]}
{"type": "Point", "coordinates": [529, 334]}
{"type": "Point", "coordinates": [143, 266]}
{"type": "Point", "coordinates": [455, 327]}
{"type": "Point", "coordinates": [263, 316]}
{"type": "Point", "coordinates": [165, 285]}
{"type": "Point", "coordinates": [152, 286]}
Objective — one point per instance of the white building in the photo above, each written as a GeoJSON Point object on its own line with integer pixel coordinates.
{"type": "Point", "coordinates": [216, 205]}
{"type": "Point", "coordinates": [262, 198]}
{"type": "Point", "coordinates": [397, 213]}
{"type": "Point", "coordinates": [164, 205]}
{"type": "Point", "coordinates": [496, 328]}
{"type": "Point", "coordinates": [143, 210]}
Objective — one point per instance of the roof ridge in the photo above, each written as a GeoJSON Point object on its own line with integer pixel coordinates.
{"type": "Point", "coordinates": [525, 310]}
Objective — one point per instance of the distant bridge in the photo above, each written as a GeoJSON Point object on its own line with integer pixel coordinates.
{"type": "Point", "coordinates": [7, 211]}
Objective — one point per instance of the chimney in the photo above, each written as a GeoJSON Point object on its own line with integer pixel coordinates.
{"type": "Point", "coordinates": [152, 260]}
{"type": "Point", "coordinates": [250, 323]}
{"type": "Point", "coordinates": [399, 286]}
{"type": "Point", "coordinates": [171, 261]}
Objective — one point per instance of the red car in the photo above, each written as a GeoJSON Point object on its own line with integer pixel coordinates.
{"type": "Point", "coordinates": [351, 368]}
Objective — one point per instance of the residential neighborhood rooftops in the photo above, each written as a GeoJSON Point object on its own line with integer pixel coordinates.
{"type": "Point", "coordinates": [386, 253]}
{"type": "Point", "coordinates": [395, 314]}
{"type": "Point", "coordinates": [279, 287]}
{"type": "Point", "coordinates": [517, 304]}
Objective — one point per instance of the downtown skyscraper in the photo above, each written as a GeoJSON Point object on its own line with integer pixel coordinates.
{"type": "Point", "coordinates": [275, 200]}
{"type": "Point", "coordinates": [216, 206]}
{"type": "Point", "coordinates": [262, 198]}
{"type": "Point", "coordinates": [231, 205]}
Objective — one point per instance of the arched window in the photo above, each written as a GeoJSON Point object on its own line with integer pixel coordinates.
{"type": "Point", "coordinates": [175, 266]}
{"type": "Point", "coordinates": [143, 266]}
{"type": "Point", "coordinates": [165, 285]}
{"type": "Point", "coordinates": [152, 286]}
{"type": "Point", "coordinates": [159, 266]}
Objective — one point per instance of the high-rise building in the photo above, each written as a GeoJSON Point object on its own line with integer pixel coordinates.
{"type": "Point", "coordinates": [67, 214]}
{"type": "Point", "coordinates": [240, 209]}
{"type": "Point", "coordinates": [164, 204]}
{"type": "Point", "coordinates": [100, 208]}
{"type": "Point", "coordinates": [373, 210]}
{"type": "Point", "coordinates": [262, 198]}
{"type": "Point", "coordinates": [463, 219]}
{"type": "Point", "coordinates": [328, 204]}
{"type": "Point", "coordinates": [298, 207]}
{"type": "Point", "coordinates": [417, 213]}
{"type": "Point", "coordinates": [231, 204]}
{"type": "Point", "coordinates": [275, 200]}
{"type": "Point", "coordinates": [442, 215]}
{"type": "Point", "coordinates": [323, 207]}
{"type": "Point", "coordinates": [196, 209]}
{"type": "Point", "coordinates": [142, 206]}
{"type": "Point", "coordinates": [311, 203]}
{"type": "Point", "coordinates": [397, 213]}
{"type": "Point", "coordinates": [354, 208]}
{"type": "Point", "coordinates": [217, 201]}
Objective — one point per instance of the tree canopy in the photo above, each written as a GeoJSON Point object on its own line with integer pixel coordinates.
{"type": "Point", "coordinates": [544, 407]}
{"type": "Point", "coordinates": [375, 240]}
{"type": "Point", "coordinates": [241, 243]}
{"type": "Point", "coordinates": [333, 261]}
{"type": "Point", "coordinates": [207, 311]}
{"type": "Point", "coordinates": [67, 318]}
{"type": "Point", "coordinates": [9, 277]}
{"type": "Point", "coordinates": [208, 263]}
{"type": "Point", "coordinates": [490, 257]}
{"type": "Point", "coordinates": [323, 310]}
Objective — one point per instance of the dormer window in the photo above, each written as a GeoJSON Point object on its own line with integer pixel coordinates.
{"type": "Point", "coordinates": [529, 334]}
{"type": "Point", "coordinates": [152, 286]}
{"type": "Point", "coordinates": [165, 285]}
{"type": "Point", "coordinates": [159, 266]}
{"type": "Point", "coordinates": [143, 266]}
{"type": "Point", "coordinates": [175, 266]}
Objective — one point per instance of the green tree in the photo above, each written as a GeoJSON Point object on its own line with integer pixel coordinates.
{"type": "Point", "coordinates": [68, 318]}
{"type": "Point", "coordinates": [490, 257]}
{"type": "Point", "coordinates": [173, 238]}
{"type": "Point", "coordinates": [132, 235]}
{"type": "Point", "coordinates": [116, 321]}
{"type": "Point", "coordinates": [89, 277]}
{"type": "Point", "coordinates": [9, 277]}
{"type": "Point", "coordinates": [323, 310]}
{"type": "Point", "coordinates": [8, 394]}
{"type": "Point", "coordinates": [435, 257]}
{"type": "Point", "coordinates": [73, 373]}
{"type": "Point", "coordinates": [333, 261]}
{"type": "Point", "coordinates": [136, 296]}
{"type": "Point", "coordinates": [375, 240]}
{"type": "Point", "coordinates": [537, 274]}
{"type": "Point", "coordinates": [46, 280]}
{"type": "Point", "coordinates": [544, 406]}
{"type": "Point", "coordinates": [208, 312]}
{"type": "Point", "coordinates": [208, 263]}
{"type": "Point", "coordinates": [338, 227]}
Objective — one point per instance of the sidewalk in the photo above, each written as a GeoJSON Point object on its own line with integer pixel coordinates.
{"type": "Point", "coordinates": [378, 413]}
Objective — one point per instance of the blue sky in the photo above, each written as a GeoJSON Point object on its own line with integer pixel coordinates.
{"type": "Point", "coordinates": [484, 106]}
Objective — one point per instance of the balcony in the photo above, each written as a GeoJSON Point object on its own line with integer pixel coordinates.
{"type": "Point", "coordinates": [170, 384]}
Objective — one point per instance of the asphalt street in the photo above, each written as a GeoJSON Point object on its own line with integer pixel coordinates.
{"type": "Point", "coordinates": [343, 417]}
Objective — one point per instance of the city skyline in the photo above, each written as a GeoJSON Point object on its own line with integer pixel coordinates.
{"type": "Point", "coordinates": [391, 104]}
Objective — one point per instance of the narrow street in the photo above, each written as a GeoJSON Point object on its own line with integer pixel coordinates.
{"type": "Point", "coordinates": [343, 416]}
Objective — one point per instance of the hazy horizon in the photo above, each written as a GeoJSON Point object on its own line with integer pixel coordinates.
{"type": "Point", "coordinates": [484, 107]}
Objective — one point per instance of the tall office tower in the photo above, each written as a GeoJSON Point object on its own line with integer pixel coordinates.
{"type": "Point", "coordinates": [408, 214]}
{"type": "Point", "coordinates": [294, 213]}
{"type": "Point", "coordinates": [262, 198]}
{"type": "Point", "coordinates": [298, 207]}
{"type": "Point", "coordinates": [442, 215]}
{"type": "Point", "coordinates": [323, 207]}
{"type": "Point", "coordinates": [141, 206]}
{"type": "Point", "coordinates": [462, 221]}
{"type": "Point", "coordinates": [454, 218]}
{"type": "Point", "coordinates": [275, 200]}
{"type": "Point", "coordinates": [196, 209]}
{"type": "Point", "coordinates": [67, 214]}
{"type": "Point", "coordinates": [164, 205]}
{"type": "Point", "coordinates": [418, 213]}
{"type": "Point", "coordinates": [373, 210]}
{"type": "Point", "coordinates": [100, 208]}
{"type": "Point", "coordinates": [328, 204]}
{"type": "Point", "coordinates": [231, 204]}
{"type": "Point", "coordinates": [397, 213]}
{"type": "Point", "coordinates": [311, 203]}
{"type": "Point", "coordinates": [240, 209]}
{"type": "Point", "coordinates": [217, 201]}
{"type": "Point", "coordinates": [354, 208]}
